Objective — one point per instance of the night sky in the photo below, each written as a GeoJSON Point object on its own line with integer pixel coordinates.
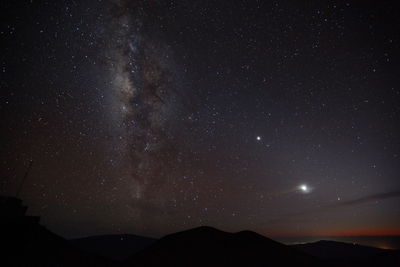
{"type": "Point", "coordinates": [150, 117]}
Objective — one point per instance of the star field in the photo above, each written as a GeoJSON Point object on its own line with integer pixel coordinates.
{"type": "Point", "coordinates": [150, 117]}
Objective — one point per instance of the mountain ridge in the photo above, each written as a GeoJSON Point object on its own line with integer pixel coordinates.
{"type": "Point", "coordinates": [115, 247]}
{"type": "Point", "coordinates": [208, 246]}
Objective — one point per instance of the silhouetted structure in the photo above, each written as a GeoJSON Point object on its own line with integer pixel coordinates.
{"type": "Point", "coordinates": [12, 211]}
{"type": "Point", "coordinates": [24, 178]}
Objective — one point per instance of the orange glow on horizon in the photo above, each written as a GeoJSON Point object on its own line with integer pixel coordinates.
{"type": "Point", "coordinates": [365, 232]}
{"type": "Point", "coordinates": [385, 247]}
{"type": "Point", "coordinates": [338, 233]}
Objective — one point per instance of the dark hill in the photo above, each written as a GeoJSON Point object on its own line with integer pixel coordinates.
{"type": "Point", "coordinates": [206, 246]}
{"type": "Point", "coordinates": [27, 243]}
{"type": "Point", "coordinates": [34, 245]}
{"type": "Point", "coordinates": [347, 254]}
{"type": "Point", "coordinates": [116, 247]}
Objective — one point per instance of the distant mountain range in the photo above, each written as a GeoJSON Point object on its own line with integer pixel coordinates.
{"type": "Point", "coordinates": [33, 245]}
{"type": "Point", "coordinates": [206, 246]}
{"type": "Point", "coordinates": [27, 243]}
{"type": "Point", "coordinates": [116, 247]}
{"type": "Point", "coordinates": [346, 254]}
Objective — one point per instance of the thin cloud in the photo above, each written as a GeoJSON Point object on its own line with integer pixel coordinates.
{"type": "Point", "coordinates": [370, 198]}
{"type": "Point", "coordinates": [335, 206]}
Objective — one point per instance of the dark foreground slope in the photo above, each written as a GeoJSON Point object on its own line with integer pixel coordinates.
{"type": "Point", "coordinates": [345, 254]}
{"type": "Point", "coordinates": [116, 247]}
{"type": "Point", "coordinates": [33, 245]}
{"type": "Point", "coordinates": [206, 246]}
{"type": "Point", "coordinates": [27, 243]}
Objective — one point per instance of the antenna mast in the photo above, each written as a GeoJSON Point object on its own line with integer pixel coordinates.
{"type": "Point", "coordinates": [23, 180]}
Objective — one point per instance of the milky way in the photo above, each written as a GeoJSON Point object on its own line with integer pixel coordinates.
{"type": "Point", "coordinates": [146, 103]}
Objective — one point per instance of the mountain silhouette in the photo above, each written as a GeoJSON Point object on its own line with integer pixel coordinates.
{"type": "Point", "coordinates": [346, 254]}
{"type": "Point", "coordinates": [27, 243]}
{"type": "Point", "coordinates": [207, 246]}
{"type": "Point", "coordinates": [115, 247]}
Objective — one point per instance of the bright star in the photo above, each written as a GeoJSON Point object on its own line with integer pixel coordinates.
{"type": "Point", "coordinates": [304, 188]}
{"type": "Point", "coordinates": [258, 138]}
